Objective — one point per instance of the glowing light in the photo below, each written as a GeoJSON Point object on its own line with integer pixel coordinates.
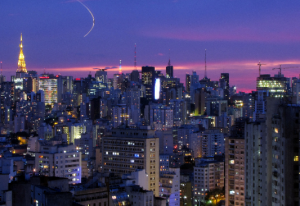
{"type": "Point", "coordinates": [157, 89]}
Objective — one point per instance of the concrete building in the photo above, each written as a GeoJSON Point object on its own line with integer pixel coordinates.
{"type": "Point", "coordinates": [184, 135]}
{"type": "Point", "coordinates": [131, 149]}
{"type": "Point", "coordinates": [76, 130]}
{"type": "Point", "coordinates": [255, 170]}
{"type": "Point", "coordinates": [90, 196]}
{"type": "Point", "coordinates": [235, 165]}
{"type": "Point", "coordinates": [208, 175]}
{"type": "Point", "coordinates": [212, 142]}
{"type": "Point", "coordinates": [169, 186]}
{"type": "Point", "coordinates": [185, 191]}
{"type": "Point", "coordinates": [59, 161]}
{"type": "Point", "coordinates": [275, 166]}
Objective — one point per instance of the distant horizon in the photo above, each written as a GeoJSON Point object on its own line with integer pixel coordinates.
{"type": "Point", "coordinates": [245, 82]}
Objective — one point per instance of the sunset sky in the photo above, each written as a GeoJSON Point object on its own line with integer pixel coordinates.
{"type": "Point", "coordinates": [236, 33]}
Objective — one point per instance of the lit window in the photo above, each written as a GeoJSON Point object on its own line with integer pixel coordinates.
{"type": "Point", "coordinates": [296, 158]}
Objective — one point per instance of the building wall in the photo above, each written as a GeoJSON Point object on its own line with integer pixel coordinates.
{"type": "Point", "coordinates": [234, 172]}
{"type": "Point", "coordinates": [123, 155]}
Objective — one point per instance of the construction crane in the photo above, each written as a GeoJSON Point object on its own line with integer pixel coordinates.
{"type": "Point", "coordinates": [283, 68]}
{"type": "Point", "coordinates": [259, 67]}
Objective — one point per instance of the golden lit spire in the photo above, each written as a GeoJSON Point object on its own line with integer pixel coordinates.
{"type": "Point", "coordinates": [21, 62]}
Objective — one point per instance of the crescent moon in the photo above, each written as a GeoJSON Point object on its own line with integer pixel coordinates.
{"type": "Point", "coordinates": [91, 15]}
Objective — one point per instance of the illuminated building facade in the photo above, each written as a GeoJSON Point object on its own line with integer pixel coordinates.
{"type": "Point", "coordinates": [235, 164]}
{"type": "Point", "coordinates": [48, 84]}
{"type": "Point", "coordinates": [59, 161]}
{"type": "Point", "coordinates": [21, 63]}
{"type": "Point", "coordinates": [169, 187]}
{"type": "Point", "coordinates": [131, 149]}
{"type": "Point", "coordinates": [277, 86]}
{"type": "Point", "coordinates": [148, 79]}
{"type": "Point", "coordinates": [208, 175]}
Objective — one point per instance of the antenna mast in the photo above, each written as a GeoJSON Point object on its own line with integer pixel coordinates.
{"type": "Point", "coordinates": [169, 64]}
{"type": "Point", "coordinates": [120, 68]}
{"type": "Point", "coordinates": [205, 74]}
{"type": "Point", "coordinates": [1, 68]}
{"type": "Point", "coordinates": [135, 56]}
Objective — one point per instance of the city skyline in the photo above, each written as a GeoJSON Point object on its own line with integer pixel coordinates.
{"type": "Point", "coordinates": [248, 32]}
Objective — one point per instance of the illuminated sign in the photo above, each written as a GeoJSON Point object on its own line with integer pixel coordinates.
{"type": "Point", "coordinates": [157, 89]}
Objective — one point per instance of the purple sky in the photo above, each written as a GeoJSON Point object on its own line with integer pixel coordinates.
{"type": "Point", "coordinates": [236, 33]}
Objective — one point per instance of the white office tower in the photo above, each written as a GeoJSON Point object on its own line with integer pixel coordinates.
{"type": "Point", "coordinates": [208, 175]}
{"type": "Point", "coordinates": [169, 186]}
{"type": "Point", "coordinates": [59, 161]}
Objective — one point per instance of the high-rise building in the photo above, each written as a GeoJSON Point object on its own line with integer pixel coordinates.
{"type": "Point", "coordinates": [59, 161]}
{"type": "Point", "coordinates": [135, 76]}
{"type": "Point", "coordinates": [148, 79]}
{"type": "Point", "coordinates": [117, 82]}
{"type": "Point", "coordinates": [169, 70]}
{"type": "Point", "coordinates": [188, 82]}
{"type": "Point", "coordinates": [199, 102]}
{"type": "Point", "coordinates": [131, 149]}
{"type": "Point", "coordinates": [48, 84]}
{"type": "Point", "coordinates": [170, 186]}
{"type": "Point", "coordinates": [235, 165]}
{"type": "Point", "coordinates": [101, 76]}
{"type": "Point", "coordinates": [272, 172]}
{"type": "Point", "coordinates": [296, 90]}
{"type": "Point", "coordinates": [212, 142]}
{"type": "Point", "coordinates": [208, 175]}
{"type": "Point", "coordinates": [224, 84]}
{"type": "Point", "coordinates": [255, 171]}
{"type": "Point", "coordinates": [278, 86]}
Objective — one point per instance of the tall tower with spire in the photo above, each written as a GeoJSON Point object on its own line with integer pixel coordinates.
{"type": "Point", "coordinates": [21, 62]}
{"type": "Point", "coordinates": [169, 68]}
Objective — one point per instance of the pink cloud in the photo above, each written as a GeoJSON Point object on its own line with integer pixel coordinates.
{"type": "Point", "coordinates": [242, 74]}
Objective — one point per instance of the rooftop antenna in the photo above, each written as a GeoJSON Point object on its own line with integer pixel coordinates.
{"type": "Point", "coordinates": [259, 67]}
{"type": "Point", "coordinates": [169, 63]}
{"type": "Point", "coordinates": [205, 74]}
{"type": "Point", "coordinates": [1, 68]}
{"type": "Point", "coordinates": [135, 56]}
{"type": "Point", "coordinates": [120, 67]}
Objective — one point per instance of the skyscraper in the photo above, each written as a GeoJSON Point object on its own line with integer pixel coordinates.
{"type": "Point", "coordinates": [224, 84]}
{"type": "Point", "coordinates": [188, 82]}
{"type": "Point", "coordinates": [169, 70]}
{"type": "Point", "coordinates": [148, 79]}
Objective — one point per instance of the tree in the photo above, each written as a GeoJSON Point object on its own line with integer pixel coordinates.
{"type": "Point", "coordinates": [216, 195]}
